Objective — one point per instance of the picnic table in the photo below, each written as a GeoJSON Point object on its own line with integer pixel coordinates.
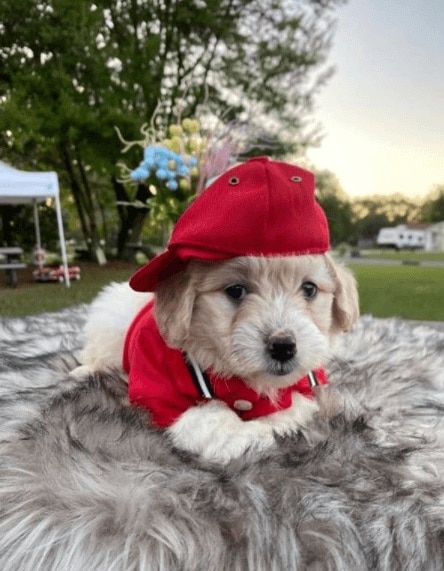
{"type": "Point", "coordinates": [11, 264]}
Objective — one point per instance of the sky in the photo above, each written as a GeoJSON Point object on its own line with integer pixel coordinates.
{"type": "Point", "coordinates": [382, 113]}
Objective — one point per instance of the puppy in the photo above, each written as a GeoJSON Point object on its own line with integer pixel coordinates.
{"type": "Point", "coordinates": [268, 321]}
{"type": "Point", "coordinates": [247, 303]}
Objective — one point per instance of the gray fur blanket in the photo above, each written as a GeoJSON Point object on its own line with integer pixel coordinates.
{"type": "Point", "coordinates": [85, 485]}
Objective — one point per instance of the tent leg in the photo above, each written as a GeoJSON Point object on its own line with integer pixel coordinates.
{"type": "Point", "coordinates": [40, 259]}
{"type": "Point", "coordinates": [62, 242]}
{"type": "Point", "coordinates": [38, 240]}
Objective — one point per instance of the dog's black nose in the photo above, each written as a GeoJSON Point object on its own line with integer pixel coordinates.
{"type": "Point", "coordinates": [281, 348]}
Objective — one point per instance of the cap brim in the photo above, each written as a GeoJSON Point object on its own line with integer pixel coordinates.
{"type": "Point", "coordinates": [171, 262]}
{"type": "Point", "coordinates": [159, 268]}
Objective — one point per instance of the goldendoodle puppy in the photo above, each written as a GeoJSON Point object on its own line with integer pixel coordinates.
{"type": "Point", "coordinates": [247, 303]}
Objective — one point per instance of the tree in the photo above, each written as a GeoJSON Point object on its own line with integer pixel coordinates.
{"type": "Point", "coordinates": [432, 208]}
{"type": "Point", "coordinates": [337, 207]}
{"type": "Point", "coordinates": [72, 71]}
{"type": "Point", "coordinates": [375, 212]}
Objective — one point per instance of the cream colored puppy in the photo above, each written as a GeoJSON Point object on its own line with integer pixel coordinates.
{"type": "Point", "coordinates": [268, 320]}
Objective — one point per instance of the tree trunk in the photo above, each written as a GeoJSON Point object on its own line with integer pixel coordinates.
{"type": "Point", "coordinates": [83, 199]}
{"type": "Point", "coordinates": [132, 218]}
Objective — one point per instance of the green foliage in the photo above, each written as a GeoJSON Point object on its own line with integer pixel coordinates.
{"type": "Point", "coordinates": [375, 212]}
{"type": "Point", "coordinates": [363, 217]}
{"type": "Point", "coordinates": [17, 226]}
{"type": "Point", "coordinates": [72, 71]}
{"type": "Point", "coordinates": [432, 209]}
{"type": "Point", "coordinates": [337, 207]}
{"type": "Point", "coordinates": [53, 81]}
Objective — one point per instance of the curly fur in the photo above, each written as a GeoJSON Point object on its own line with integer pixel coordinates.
{"type": "Point", "coordinates": [84, 484]}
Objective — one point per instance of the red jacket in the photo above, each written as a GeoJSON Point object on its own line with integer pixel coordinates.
{"type": "Point", "coordinates": [160, 379]}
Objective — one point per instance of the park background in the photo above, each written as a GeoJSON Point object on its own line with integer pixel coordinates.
{"type": "Point", "coordinates": [349, 89]}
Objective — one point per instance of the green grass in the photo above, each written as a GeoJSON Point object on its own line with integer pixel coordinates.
{"type": "Point", "coordinates": [410, 292]}
{"type": "Point", "coordinates": [403, 255]}
{"type": "Point", "coordinates": [31, 297]}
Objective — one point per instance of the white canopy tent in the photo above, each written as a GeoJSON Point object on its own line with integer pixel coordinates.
{"type": "Point", "coordinates": [20, 187]}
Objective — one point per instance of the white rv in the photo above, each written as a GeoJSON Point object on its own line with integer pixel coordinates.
{"type": "Point", "coordinates": [404, 236]}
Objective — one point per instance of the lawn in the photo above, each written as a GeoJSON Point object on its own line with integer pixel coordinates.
{"type": "Point", "coordinates": [32, 297]}
{"type": "Point", "coordinates": [411, 292]}
{"type": "Point", "coordinates": [404, 255]}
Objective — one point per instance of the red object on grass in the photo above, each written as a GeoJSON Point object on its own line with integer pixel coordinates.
{"type": "Point", "coordinates": [55, 274]}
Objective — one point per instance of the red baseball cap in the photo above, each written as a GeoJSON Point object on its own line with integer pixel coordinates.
{"type": "Point", "coordinates": [259, 208]}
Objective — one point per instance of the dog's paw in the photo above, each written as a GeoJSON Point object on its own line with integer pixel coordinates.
{"type": "Point", "coordinates": [216, 433]}
{"type": "Point", "coordinates": [298, 416]}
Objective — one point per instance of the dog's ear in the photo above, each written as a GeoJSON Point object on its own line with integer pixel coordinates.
{"type": "Point", "coordinates": [173, 307]}
{"type": "Point", "coordinates": [346, 301]}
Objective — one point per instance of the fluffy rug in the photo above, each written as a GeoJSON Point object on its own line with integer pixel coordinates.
{"type": "Point", "coordinates": [85, 485]}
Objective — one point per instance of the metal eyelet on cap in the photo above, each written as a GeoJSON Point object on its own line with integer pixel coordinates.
{"type": "Point", "coordinates": [233, 181]}
{"type": "Point", "coordinates": [296, 179]}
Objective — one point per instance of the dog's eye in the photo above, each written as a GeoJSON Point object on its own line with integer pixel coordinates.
{"type": "Point", "coordinates": [236, 292]}
{"type": "Point", "coordinates": [310, 289]}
